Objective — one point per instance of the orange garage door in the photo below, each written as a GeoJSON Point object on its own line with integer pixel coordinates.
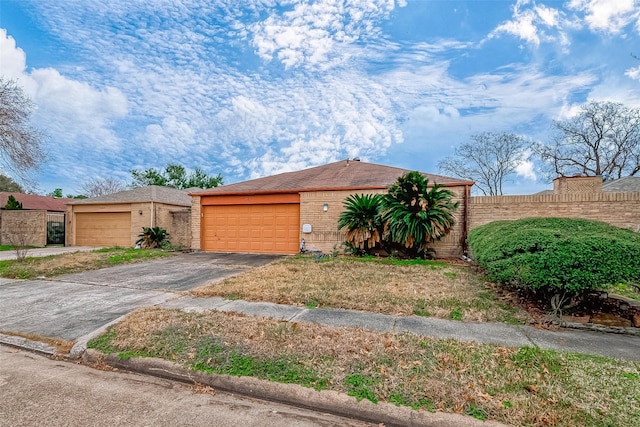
{"type": "Point", "coordinates": [103, 229]}
{"type": "Point", "coordinates": [271, 228]}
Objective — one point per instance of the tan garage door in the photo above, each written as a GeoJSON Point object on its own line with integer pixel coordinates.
{"type": "Point", "coordinates": [103, 229]}
{"type": "Point", "coordinates": [272, 228]}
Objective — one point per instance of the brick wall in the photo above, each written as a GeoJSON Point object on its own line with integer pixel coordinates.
{"type": "Point", "coordinates": [23, 227]}
{"type": "Point", "coordinates": [577, 184]}
{"type": "Point", "coordinates": [325, 235]}
{"type": "Point", "coordinates": [619, 209]}
{"type": "Point", "coordinates": [195, 223]}
{"type": "Point", "coordinates": [180, 228]}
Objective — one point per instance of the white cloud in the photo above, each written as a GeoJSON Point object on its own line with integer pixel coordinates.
{"type": "Point", "coordinates": [610, 16]}
{"type": "Point", "coordinates": [12, 58]}
{"type": "Point", "coordinates": [310, 33]}
{"type": "Point", "coordinates": [72, 114]}
{"type": "Point", "coordinates": [526, 169]}
{"type": "Point", "coordinates": [633, 73]}
{"type": "Point", "coordinates": [533, 24]}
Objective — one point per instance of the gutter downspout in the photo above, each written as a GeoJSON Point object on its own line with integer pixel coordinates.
{"type": "Point", "coordinates": [465, 222]}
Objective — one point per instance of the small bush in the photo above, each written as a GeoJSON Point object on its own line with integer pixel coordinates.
{"type": "Point", "coordinates": [153, 237]}
{"type": "Point", "coordinates": [557, 255]}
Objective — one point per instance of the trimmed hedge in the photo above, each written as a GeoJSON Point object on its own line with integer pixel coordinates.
{"type": "Point", "coordinates": [557, 255]}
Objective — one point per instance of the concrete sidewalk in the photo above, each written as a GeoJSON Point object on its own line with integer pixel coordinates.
{"type": "Point", "coordinates": [588, 342]}
{"type": "Point", "coordinates": [41, 252]}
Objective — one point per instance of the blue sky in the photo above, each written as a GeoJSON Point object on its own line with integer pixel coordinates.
{"type": "Point", "coordinates": [253, 88]}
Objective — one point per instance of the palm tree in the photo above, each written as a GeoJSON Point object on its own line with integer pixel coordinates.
{"type": "Point", "coordinates": [416, 215]}
{"type": "Point", "coordinates": [362, 221]}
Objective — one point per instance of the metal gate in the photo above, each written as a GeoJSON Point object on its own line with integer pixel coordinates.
{"type": "Point", "coordinates": [55, 228]}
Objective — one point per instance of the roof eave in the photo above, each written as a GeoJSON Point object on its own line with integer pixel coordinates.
{"type": "Point", "coordinates": [312, 189]}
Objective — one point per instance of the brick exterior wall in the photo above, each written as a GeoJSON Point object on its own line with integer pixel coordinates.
{"type": "Point", "coordinates": [325, 235]}
{"type": "Point", "coordinates": [23, 227]}
{"type": "Point", "coordinates": [619, 209]}
{"type": "Point", "coordinates": [147, 214]}
{"type": "Point", "coordinates": [195, 223]}
{"type": "Point", "coordinates": [180, 228]}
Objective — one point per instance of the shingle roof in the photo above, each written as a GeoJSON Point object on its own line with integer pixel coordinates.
{"type": "Point", "coordinates": [342, 175]}
{"type": "Point", "coordinates": [35, 202]}
{"type": "Point", "coordinates": [628, 184]}
{"type": "Point", "coordinates": [151, 193]}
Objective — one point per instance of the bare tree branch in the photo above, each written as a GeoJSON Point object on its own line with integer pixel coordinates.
{"type": "Point", "coordinates": [489, 159]}
{"type": "Point", "coordinates": [96, 187]}
{"type": "Point", "coordinates": [603, 139]}
{"type": "Point", "coordinates": [20, 143]}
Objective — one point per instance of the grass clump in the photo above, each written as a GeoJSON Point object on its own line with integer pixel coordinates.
{"type": "Point", "coordinates": [517, 386]}
{"type": "Point", "coordinates": [551, 256]}
{"type": "Point", "coordinates": [55, 265]}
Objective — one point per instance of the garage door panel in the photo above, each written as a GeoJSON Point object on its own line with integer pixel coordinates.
{"type": "Point", "coordinates": [251, 228]}
{"type": "Point", "coordinates": [103, 229]}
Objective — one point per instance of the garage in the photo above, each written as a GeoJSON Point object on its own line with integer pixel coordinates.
{"type": "Point", "coordinates": [103, 229]}
{"type": "Point", "coordinates": [255, 228]}
{"type": "Point", "coordinates": [118, 219]}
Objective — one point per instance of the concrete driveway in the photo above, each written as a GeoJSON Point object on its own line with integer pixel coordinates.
{"type": "Point", "coordinates": [72, 306]}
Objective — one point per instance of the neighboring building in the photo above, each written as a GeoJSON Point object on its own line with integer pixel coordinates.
{"type": "Point", "coordinates": [40, 222]}
{"type": "Point", "coordinates": [273, 214]}
{"type": "Point", "coordinates": [592, 184]}
{"type": "Point", "coordinates": [35, 202]}
{"type": "Point", "coordinates": [117, 219]}
{"type": "Point", "coordinates": [628, 184]}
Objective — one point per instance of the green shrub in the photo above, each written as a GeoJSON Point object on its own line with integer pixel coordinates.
{"type": "Point", "coordinates": [153, 237]}
{"type": "Point", "coordinates": [557, 255]}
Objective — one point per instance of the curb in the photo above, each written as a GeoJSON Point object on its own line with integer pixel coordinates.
{"type": "Point", "coordinates": [326, 401]}
{"type": "Point", "coordinates": [29, 345]}
{"type": "Point", "coordinates": [620, 330]}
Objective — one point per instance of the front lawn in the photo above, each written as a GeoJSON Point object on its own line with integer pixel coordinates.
{"type": "Point", "coordinates": [411, 287]}
{"type": "Point", "coordinates": [518, 386]}
{"type": "Point", "coordinates": [55, 265]}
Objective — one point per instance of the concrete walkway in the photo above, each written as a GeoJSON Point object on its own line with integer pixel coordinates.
{"type": "Point", "coordinates": [52, 250]}
{"type": "Point", "coordinates": [588, 342]}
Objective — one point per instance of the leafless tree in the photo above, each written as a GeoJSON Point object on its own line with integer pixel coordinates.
{"type": "Point", "coordinates": [20, 143]}
{"type": "Point", "coordinates": [603, 139]}
{"type": "Point", "coordinates": [96, 187]}
{"type": "Point", "coordinates": [489, 160]}
{"type": "Point", "coordinates": [20, 237]}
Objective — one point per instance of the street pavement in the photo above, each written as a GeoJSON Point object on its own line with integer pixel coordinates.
{"type": "Point", "coordinates": [38, 391]}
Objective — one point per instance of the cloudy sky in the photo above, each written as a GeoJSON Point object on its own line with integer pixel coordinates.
{"type": "Point", "coordinates": [254, 88]}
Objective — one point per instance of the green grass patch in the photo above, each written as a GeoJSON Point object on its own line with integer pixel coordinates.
{"type": "Point", "coordinates": [625, 290]}
{"type": "Point", "coordinates": [55, 265]}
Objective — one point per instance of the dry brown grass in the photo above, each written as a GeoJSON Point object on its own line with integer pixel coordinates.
{"type": "Point", "coordinates": [517, 386]}
{"type": "Point", "coordinates": [433, 289]}
{"type": "Point", "coordinates": [61, 346]}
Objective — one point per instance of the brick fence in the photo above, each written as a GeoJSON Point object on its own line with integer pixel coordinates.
{"type": "Point", "coordinates": [619, 209]}
{"type": "Point", "coordinates": [23, 227]}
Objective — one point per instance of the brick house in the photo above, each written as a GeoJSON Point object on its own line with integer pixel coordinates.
{"type": "Point", "coordinates": [117, 219]}
{"type": "Point", "coordinates": [273, 214]}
